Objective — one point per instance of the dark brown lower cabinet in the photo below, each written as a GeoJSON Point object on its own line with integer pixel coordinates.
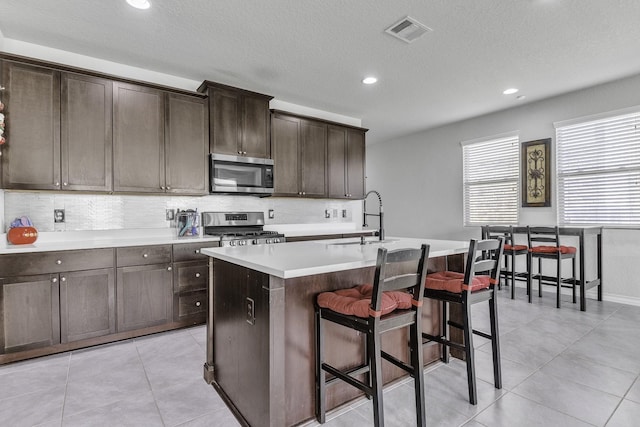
{"type": "Point", "coordinates": [190, 291]}
{"type": "Point", "coordinates": [29, 312]}
{"type": "Point", "coordinates": [87, 304]}
{"type": "Point", "coordinates": [144, 296]}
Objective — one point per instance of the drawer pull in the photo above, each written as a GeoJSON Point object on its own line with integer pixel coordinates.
{"type": "Point", "coordinates": [197, 274]}
{"type": "Point", "coordinates": [54, 280]}
{"type": "Point", "coordinates": [59, 262]}
{"type": "Point", "coordinates": [197, 303]}
{"type": "Point", "coordinates": [197, 251]}
{"type": "Point", "coordinates": [169, 268]}
{"type": "Point", "coordinates": [63, 279]}
{"type": "Point", "coordinates": [145, 256]}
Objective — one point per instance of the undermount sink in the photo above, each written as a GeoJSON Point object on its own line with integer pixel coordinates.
{"type": "Point", "coordinates": [366, 242]}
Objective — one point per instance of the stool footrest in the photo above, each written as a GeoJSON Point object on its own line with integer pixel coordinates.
{"type": "Point", "coordinates": [442, 340]}
{"type": "Point", "coordinates": [346, 377]}
{"type": "Point", "coordinates": [399, 363]}
{"type": "Point", "coordinates": [482, 334]}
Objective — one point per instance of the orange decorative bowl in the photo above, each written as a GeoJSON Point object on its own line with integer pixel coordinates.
{"type": "Point", "coordinates": [22, 235]}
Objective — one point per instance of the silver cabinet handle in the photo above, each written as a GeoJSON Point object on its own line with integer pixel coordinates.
{"type": "Point", "coordinates": [63, 279]}
{"type": "Point", "coordinates": [145, 256]}
{"type": "Point", "coordinates": [239, 152]}
{"type": "Point", "coordinates": [197, 251]}
{"type": "Point", "coordinates": [64, 184]}
{"type": "Point", "coordinates": [162, 187]}
{"type": "Point", "coordinates": [59, 262]}
{"type": "Point", "coordinates": [197, 274]}
{"type": "Point", "coordinates": [57, 183]}
{"type": "Point", "coordinates": [197, 303]}
{"type": "Point", "coordinates": [168, 188]}
{"type": "Point", "coordinates": [54, 280]}
{"type": "Point", "coordinates": [169, 269]}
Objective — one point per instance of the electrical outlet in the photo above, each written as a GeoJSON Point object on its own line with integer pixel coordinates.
{"type": "Point", "coordinates": [271, 214]}
{"type": "Point", "coordinates": [251, 311]}
{"type": "Point", "coordinates": [344, 213]}
{"type": "Point", "coordinates": [58, 215]}
{"type": "Point", "coordinates": [170, 214]}
{"type": "Point", "coordinates": [327, 214]}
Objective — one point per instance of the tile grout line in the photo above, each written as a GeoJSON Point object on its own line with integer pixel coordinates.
{"type": "Point", "coordinates": [146, 376]}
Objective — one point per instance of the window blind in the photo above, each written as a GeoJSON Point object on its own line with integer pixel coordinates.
{"type": "Point", "coordinates": [598, 171]}
{"type": "Point", "coordinates": [490, 169]}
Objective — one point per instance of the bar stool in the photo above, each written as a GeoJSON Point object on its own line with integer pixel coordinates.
{"type": "Point", "coordinates": [544, 243]}
{"type": "Point", "coordinates": [511, 251]}
{"type": "Point", "coordinates": [394, 301]}
{"type": "Point", "coordinates": [467, 289]}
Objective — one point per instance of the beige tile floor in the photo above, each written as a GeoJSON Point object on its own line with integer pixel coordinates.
{"type": "Point", "coordinates": [561, 367]}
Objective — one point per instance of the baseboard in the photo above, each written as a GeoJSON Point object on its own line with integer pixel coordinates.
{"type": "Point", "coordinates": [591, 294]}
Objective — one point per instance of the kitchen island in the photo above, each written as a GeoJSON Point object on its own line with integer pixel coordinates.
{"type": "Point", "coordinates": [260, 331]}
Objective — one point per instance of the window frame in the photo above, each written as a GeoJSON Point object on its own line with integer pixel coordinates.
{"type": "Point", "coordinates": [604, 200]}
{"type": "Point", "coordinates": [511, 215]}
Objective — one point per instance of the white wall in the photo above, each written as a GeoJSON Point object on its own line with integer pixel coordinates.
{"type": "Point", "coordinates": [420, 176]}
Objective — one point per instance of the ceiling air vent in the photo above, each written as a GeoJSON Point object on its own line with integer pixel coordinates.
{"type": "Point", "coordinates": [408, 29]}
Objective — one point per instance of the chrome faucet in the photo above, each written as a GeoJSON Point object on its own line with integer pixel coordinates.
{"type": "Point", "coordinates": [380, 213]}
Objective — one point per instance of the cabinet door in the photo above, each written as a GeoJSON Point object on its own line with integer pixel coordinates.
{"type": "Point", "coordinates": [85, 132]}
{"type": "Point", "coordinates": [138, 139]}
{"type": "Point", "coordinates": [336, 162]}
{"type": "Point", "coordinates": [144, 296]}
{"type": "Point", "coordinates": [187, 145]}
{"type": "Point", "coordinates": [87, 304]}
{"type": "Point", "coordinates": [313, 154]}
{"type": "Point", "coordinates": [255, 126]}
{"type": "Point", "coordinates": [355, 164]}
{"type": "Point", "coordinates": [286, 132]}
{"type": "Point", "coordinates": [29, 312]}
{"type": "Point", "coordinates": [224, 116]}
{"type": "Point", "coordinates": [31, 157]}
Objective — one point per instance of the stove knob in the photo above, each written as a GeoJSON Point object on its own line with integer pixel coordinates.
{"type": "Point", "coordinates": [243, 242]}
{"type": "Point", "coordinates": [276, 240]}
{"type": "Point", "coordinates": [232, 243]}
{"type": "Point", "coordinates": [254, 241]}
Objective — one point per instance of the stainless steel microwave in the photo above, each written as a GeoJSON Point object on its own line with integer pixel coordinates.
{"type": "Point", "coordinates": [241, 175]}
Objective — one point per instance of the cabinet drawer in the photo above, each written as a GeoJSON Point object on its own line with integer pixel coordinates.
{"type": "Point", "coordinates": [192, 304]}
{"type": "Point", "coordinates": [143, 255]}
{"type": "Point", "coordinates": [190, 276]}
{"type": "Point", "coordinates": [55, 262]}
{"type": "Point", "coordinates": [191, 251]}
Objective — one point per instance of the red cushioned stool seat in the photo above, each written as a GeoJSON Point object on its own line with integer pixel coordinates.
{"type": "Point", "coordinates": [554, 249]}
{"type": "Point", "coordinates": [451, 281]}
{"type": "Point", "coordinates": [515, 248]}
{"type": "Point", "coordinates": [356, 301]}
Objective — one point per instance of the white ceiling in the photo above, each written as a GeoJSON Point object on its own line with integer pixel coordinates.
{"type": "Point", "coordinates": [315, 52]}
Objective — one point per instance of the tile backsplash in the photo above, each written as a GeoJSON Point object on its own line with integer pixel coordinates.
{"type": "Point", "coordinates": [107, 212]}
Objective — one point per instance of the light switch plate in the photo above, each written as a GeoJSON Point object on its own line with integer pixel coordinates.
{"type": "Point", "coordinates": [271, 214]}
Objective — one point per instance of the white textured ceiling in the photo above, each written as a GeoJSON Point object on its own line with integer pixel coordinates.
{"type": "Point", "coordinates": [315, 52]}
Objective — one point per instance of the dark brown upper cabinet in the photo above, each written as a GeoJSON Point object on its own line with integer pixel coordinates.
{"type": "Point", "coordinates": [138, 139]}
{"type": "Point", "coordinates": [345, 162]}
{"type": "Point", "coordinates": [239, 121]}
{"type": "Point", "coordinates": [187, 145]}
{"type": "Point", "coordinates": [86, 133]}
{"type": "Point", "coordinates": [59, 128]}
{"type": "Point", "coordinates": [299, 153]}
{"type": "Point", "coordinates": [31, 156]}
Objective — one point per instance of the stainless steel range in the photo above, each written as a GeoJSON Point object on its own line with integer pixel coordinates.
{"type": "Point", "coordinates": [239, 228]}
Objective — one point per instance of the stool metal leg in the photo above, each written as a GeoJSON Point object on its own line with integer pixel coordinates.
{"type": "Point", "coordinates": [320, 375]}
{"type": "Point", "coordinates": [468, 350]}
{"type": "Point", "coordinates": [415, 340]}
{"type": "Point", "coordinates": [375, 364]}
{"type": "Point", "coordinates": [559, 280]}
{"type": "Point", "coordinates": [495, 341]}
{"type": "Point", "coordinates": [445, 331]}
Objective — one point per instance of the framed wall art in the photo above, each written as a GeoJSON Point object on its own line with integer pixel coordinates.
{"type": "Point", "coordinates": [536, 179]}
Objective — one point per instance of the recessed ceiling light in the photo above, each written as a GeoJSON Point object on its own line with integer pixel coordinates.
{"type": "Point", "coordinates": [369, 80]}
{"type": "Point", "coordinates": [510, 91]}
{"type": "Point", "coordinates": [139, 4]}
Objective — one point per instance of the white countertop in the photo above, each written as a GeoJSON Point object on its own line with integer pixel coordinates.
{"type": "Point", "coordinates": [70, 240]}
{"type": "Point", "coordinates": [297, 259]}
{"type": "Point", "coordinates": [297, 230]}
